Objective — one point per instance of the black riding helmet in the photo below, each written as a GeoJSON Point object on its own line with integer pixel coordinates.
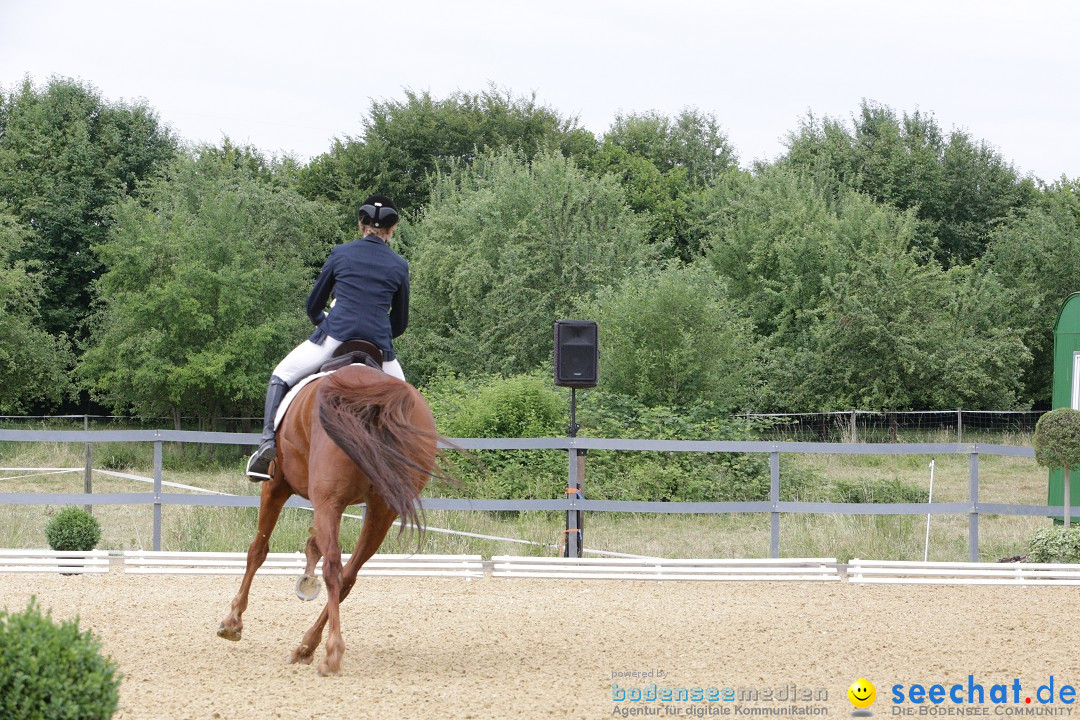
{"type": "Point", "coordinates": [378, 211]}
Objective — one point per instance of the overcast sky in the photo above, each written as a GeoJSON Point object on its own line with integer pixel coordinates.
{"type": "Point", "coordinates": [290, 76]}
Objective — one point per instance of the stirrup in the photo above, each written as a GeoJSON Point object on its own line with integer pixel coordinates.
{"type": "Point", "coordinates": [258, 467]}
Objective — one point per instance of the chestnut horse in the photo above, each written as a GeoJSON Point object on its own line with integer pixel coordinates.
{"type": "Point", "coordinates": [355, 436]}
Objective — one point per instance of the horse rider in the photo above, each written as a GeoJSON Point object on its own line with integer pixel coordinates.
{"type": "Point", "coordinates": [370, 285]}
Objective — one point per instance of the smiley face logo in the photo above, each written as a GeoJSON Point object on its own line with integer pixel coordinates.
{"type": "Point", "coordinates": [862, 693]}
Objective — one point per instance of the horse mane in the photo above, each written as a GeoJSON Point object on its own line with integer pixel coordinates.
{"type": "Point", "coordinates": [370, 419]}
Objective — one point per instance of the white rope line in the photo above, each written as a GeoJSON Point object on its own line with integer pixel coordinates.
{"type": "Point", "coordinates": [164, 483]}
{"type": "Point", "coordinates": [54, 471]}
{"type": "Point", "coordinates": [446, 531]}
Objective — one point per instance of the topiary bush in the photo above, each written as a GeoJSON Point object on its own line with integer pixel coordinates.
{"type": "Point", "coordinates": [73, 529]}
{"type": "Point", "coordinates": [53, 671]}
{"type": "Point", "coordinates": [1057, 439]}
{"type": "Point", "coordinates": [1057, 445]}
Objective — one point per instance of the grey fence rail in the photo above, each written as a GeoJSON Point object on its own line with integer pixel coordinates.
{"type": "Point", "coordinates": [571, 504]}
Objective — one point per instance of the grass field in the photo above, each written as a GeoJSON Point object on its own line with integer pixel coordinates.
{"type": "Point", "coordinates": [1002, 480]}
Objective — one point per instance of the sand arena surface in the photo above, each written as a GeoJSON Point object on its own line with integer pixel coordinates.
{"type": "Point", "coordinates": [499, 648]}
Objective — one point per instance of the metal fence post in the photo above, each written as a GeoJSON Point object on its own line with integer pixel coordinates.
{"type": "Point", "coordinates": [88, 484]}
{"type": "Point", "coordinates": [573, 530]}
{"type": "Point", "coordinates": [973, 518]}
{"type": "Point", "coordinates": [774, 498]}
{"type": "Point", "coordinates": [157, 495]}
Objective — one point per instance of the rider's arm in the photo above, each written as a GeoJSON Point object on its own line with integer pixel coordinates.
{"type": "Point", "coordinates": [399, 308]}
{"type": "Point", "coordinates": [320, 293]}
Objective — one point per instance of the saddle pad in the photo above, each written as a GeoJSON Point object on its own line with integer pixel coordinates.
{"type": "Point", "coordinates": [287, 400]}
{"type": "Point", "coordinates": [289, 396]}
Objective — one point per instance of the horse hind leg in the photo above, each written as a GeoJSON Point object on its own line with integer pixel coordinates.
{"type": "Point", "coordinates": [274, 495]}
{"type": "Point", "coordinates": [307, 585]}
{"type": "Point", "coordinates": [327, 525]}
{"type": "Point", "coordinates": [378, 519]}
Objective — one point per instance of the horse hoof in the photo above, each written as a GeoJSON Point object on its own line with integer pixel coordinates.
{"type": "Point", "coordinates": [298, 656]}
{"type": "Point", "coordinates": [307, 587]}
{"type": "Point", "coordinates": [228, 633]}
{"type": "Point", "coordinates": [325, 671]}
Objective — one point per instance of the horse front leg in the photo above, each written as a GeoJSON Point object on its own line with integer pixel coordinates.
{"type": "Point", "coordinates": [274, 495]}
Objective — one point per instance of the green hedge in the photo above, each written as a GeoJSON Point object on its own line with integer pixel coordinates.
{"type": "Point", "coordinates": [530, 406]}
{"type": "Point", "coordinates": [1055, 545]}
{"type": "Point", "coordinates": [51, 671]}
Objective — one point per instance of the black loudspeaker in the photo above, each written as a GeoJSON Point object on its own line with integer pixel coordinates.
{"type": "Point", "coordinates": [576, 353]}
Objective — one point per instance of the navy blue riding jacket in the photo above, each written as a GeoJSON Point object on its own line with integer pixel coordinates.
{"type": "Point", "coordinates": [370, 283]}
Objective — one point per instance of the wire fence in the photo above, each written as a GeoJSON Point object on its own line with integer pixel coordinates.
{"type": "Point", "coordinates": [1004, 427]}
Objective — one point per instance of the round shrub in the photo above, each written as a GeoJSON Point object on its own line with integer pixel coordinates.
{"type": "Point", "coordinates": [1057, 439]}
{"type": "Point", "coordinates": [1055, 545]}
{"type": "Point", "coordinates": [73, 529]}
{"type": "Point", "coordinates": [50, 670]}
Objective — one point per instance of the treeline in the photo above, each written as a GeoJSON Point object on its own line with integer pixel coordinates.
{"type": "Point", "coordinates": [881, 262]}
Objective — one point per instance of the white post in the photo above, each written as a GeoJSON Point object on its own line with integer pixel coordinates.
{"type": "Point", "coordinates": [930, 499]}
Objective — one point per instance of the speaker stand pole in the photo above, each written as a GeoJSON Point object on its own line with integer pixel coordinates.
{"type": "Point", "coordinates": [573, 487]}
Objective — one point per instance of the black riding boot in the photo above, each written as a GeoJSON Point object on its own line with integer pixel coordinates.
{"type": "Point", "coordinates": [258, 468]}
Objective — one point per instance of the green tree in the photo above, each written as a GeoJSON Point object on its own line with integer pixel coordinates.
{"type": "Point", "coordinates": [959, 188]}
{"type": "Point", "coordinates": [775, 240]}
{"type": "Point", "coordinates": [66, 155]}
{"type": "Point", "coordinates": [1057, 445]}
{"type": "Point", "coordinates": [691, 141]}
{"type": "Point", "coordinates": [896, 332]}
{"type": "Point", "coordinates": [671, 336]}
{"type": "Point", "coordinates": [852, 315]}
{"type": "Point", "coordinates": [505, 248]}
{"type": "Point", "coordinates": [1036, 258]}
{"type": "Point", "coordinates": [205, 287]}
{"type": "Point", "coordinates": [33, 363]}
{"type": "Point", "coordinates": [405, 143]}
{"type": "Point", "coordinates": [665, 164]}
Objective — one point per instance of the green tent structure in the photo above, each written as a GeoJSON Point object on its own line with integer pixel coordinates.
{"type": "Point", "coordinates": [1066, 387]}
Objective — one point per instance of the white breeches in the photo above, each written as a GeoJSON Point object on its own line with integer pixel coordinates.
{"type": "Point", "coordinates": [307, 357]}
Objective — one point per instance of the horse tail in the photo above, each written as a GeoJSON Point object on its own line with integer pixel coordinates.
{"type": "Point", "coordinates": [372, 422]}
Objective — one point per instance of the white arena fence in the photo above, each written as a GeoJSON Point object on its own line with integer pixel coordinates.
{"type": "Point", "coordinates": [958, 573]}
{"type": "Point", "coordinates": [813, 569]}
{"type": "Point", "coordinates": [470, 567]}
{"type": "Point", "coordinates": [572, 504]}
{"type": "Point", "coordinates": [71, 562]}
{"type": "Point", "coordinates": [207, 563]}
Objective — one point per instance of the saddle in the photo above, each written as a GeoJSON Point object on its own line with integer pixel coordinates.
{"type": "Point", "coordinates": [354, 352]}
{"type": "Point", "coordinates": [351, 352]}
